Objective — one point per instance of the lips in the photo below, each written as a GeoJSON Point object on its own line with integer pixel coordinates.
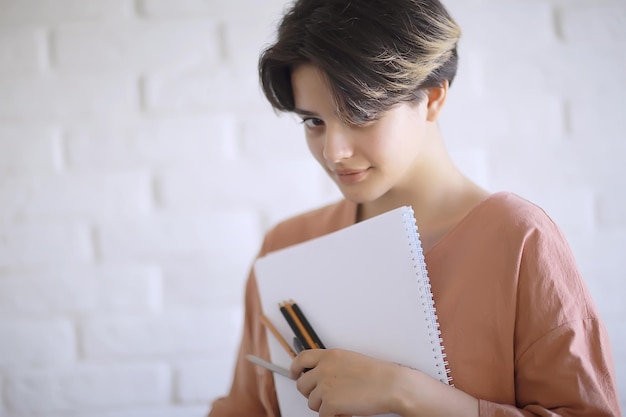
{"type": "Point", "coordinates": [350, 176]}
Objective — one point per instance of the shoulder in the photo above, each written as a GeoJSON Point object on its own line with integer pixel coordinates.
{"type": "Point", "coordinates": [523, 226]}
{"type": "Point", "coordinates": [507, 217]}
{"type": "Point", "coordinates": [514, 212]}
{"type": "Point", "coordinates": [309, 225]}
{"type": "Point", "coordinates": [547, 265]}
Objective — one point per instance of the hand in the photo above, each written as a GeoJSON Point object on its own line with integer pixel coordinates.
{"type": "Point", "coordinates": [344, 383]}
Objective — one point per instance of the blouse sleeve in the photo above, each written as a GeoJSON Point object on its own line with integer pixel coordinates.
{"type": "Point", "coordinates": [252, 392]}
{"type": "Point", "coordinates": [563, 361]}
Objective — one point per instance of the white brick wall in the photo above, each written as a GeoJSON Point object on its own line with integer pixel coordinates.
{"type": "Point", "coordinates": [53, 12]}
{"type": "Point", "coordinates": [139, 167]}
{"type": "Point", "coordinates": [88, 387]}
{"type": "Point", "coordinates": [41, 343]}
{"type": "Point", "coordinates": [22, 50]}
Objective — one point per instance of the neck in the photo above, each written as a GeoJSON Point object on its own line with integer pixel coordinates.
{"type": "Point", "coordinates": [438, 192]}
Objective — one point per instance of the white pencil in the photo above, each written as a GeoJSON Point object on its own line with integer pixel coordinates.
{"type": "Point", "coordinates": [268, 365]}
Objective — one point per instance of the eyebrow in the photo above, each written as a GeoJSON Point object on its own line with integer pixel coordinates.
{"type": "Point", "coordinates": [304, 112]}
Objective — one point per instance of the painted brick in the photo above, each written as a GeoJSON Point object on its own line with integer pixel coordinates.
{"type": "Point", "coordinates": [284, 181]}
{"type": "Point", "coordinates": [464, 120]}
{"type": "Point", "coordinates": [578, 160]}
{"type": "Point", "coordinates": [36, 343]}
{"type": "Point", "coordinates": [22, 51]}
{"type": "Point", "coordinates": [265, 136]}
{"type": "Point", "coordinates": [130, 411]}
{"type": "Point", "coordinates": [64, 98]}
{"type": "Point", "coordinates": [88, 386]}
{"type": "Point", "coordinates": [100, 196]}
{"type": "Point", "coordinates": [203, 380]}
{"type": "Point", "coordinates": [25, 150]}
{"type": "Point", "coordinates": [194, 90]}
{"type": "Point", "coordinates": [589, 120]}
{"type": "Point", "coordinates": [171, 333]}
{"type": "Point", "coordinates": [513, 25]}
{"type": "Point", "coordinates": [475, 113]}
{"type": "Point", "coordinates": [135, 45]}
{"type": "Point", "coordinates": [56, 11]}
{"type": "Point", "coordinates": [611, 210]}
{"type": "Point", "coordinates": [535, 108]}
{"type": "Point", "coordinates": [593, 23]}
{"type": "Point", "coordinates": [167, 9]}
{"type": "Point", "coordinates": [542, 122]}
{"type": "Point", "coordinates": [225, 236]}
{"type": "Point", "coordinates": [520, 162]}
{"type": "Point", "coordinates": [74, 290]}
{"type": "Point", "coordinates": [157, 143]}
{"type": "Point", "coordinates": [44, 243]}
{"type": "Point", "coordinates": [559, 70]}
{"type": "Point", "coordinates": [286, 187]}
{"type": "Point", "coordinates": [205, 282]}
{"type": "Point", "coordinates": [245, 37]}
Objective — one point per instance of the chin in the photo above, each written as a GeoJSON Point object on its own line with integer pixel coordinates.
{"type": "Point", "coordinates": [360, 195]}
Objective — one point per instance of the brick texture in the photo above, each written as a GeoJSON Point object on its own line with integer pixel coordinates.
{"type": "Point", "coordinates": [36, 343]}
{"type": "Point", "coordinates": [88, 386]}
{"type": "Point", "coordinates": [140, 166]}
{"type": "Point", "coordinates": [132, 46]}
{"type": "Point", "coordinates": [46, 12]}
{"type": "Point", "coordinates": [22, 51]}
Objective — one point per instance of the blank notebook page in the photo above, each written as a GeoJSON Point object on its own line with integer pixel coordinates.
{"type": "Point", "coordinates": [363, 288]}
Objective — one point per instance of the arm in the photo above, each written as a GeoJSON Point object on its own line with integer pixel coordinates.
{"type": "Point", "coordinates": [252, 391]}
{"type": "Point", "coordinates": [562, 360]}
{"type": "Point", "coordinates": [566, 373]}
{"type": "Point", "coordinates": [347, 383]}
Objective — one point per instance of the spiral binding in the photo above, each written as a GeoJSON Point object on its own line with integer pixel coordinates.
{"type": "Point", "coordinates": [426, 296]}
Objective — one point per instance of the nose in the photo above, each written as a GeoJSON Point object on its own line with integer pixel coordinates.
{"type": "Point", "coordinates": [337, 144]}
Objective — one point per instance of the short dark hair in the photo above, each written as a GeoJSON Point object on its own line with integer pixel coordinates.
{"type": "Point", "coordinates": [374, 53]}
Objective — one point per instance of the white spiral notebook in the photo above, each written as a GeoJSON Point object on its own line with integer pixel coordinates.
{"type": "Point", "coordinates": [363, 288]}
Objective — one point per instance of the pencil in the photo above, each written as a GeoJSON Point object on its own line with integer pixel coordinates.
{"type": "Point", "coordinates": [269, 366]}
{"type": "Point", "coordinates": [307, 326]}
{"type": "Point", "coordinates": [297, 346]}
{"type": "Point", "coordinates": [278, 336]}
{"type": "Point", "coordinates": [294, 327]}
{"type": "Point", "coordinates": [307, 337]}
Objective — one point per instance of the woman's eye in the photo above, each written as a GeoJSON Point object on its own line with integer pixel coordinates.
{"type": "Point", "coordinates": [312, 122]}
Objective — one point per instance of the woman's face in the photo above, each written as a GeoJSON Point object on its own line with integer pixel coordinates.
{"type": "Point", "coordinates": [365, 161]}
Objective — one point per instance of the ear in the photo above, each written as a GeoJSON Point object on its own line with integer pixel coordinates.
{"type": "Point", "coordinates": [436, 99]}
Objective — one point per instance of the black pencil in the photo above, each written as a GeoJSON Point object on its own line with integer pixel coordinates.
{"type": "Point", "coordinates": [307, 326]}
{"type": "Point", "coordinates": [294, 327]}
{"type": "Point", "coordinates": [307, 337]}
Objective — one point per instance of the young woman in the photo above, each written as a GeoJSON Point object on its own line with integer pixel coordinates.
{"type": "Point", "coordinates": [369, 79]}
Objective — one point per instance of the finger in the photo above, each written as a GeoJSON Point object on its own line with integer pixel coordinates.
{"type": "Point", "coordinates": [315, 400]}
{"type": "Point", "coordinates": [307, 382]}
{"type": "Point", "coordinates": [305, 360]}
{"type": "Point", "coordinates": [326, 411]}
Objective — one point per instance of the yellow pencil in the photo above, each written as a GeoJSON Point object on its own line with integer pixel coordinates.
{"type": "Point", "coordinates": [278, 336]}
{"type": "Point", "coordinates": [309, 340]}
